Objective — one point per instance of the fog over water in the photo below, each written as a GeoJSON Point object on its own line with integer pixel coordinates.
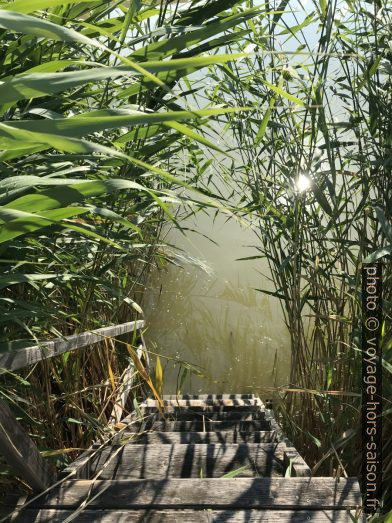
{"type": "Point", "coordinates": [216, 319]}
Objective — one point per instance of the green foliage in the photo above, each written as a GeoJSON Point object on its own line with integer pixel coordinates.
{"type": "Point", "coordinates": [321, 89]}
{"type": "Point", "coordinates": [66, 124]}
{"type": "Point", "coordinates": [94, 116]}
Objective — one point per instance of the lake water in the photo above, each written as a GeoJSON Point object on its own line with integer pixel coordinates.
{"type": "Point", "coordinates": [214, 318]}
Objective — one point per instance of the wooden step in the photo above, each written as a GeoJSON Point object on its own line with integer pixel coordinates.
{"type": "Point", "coordinates": [188, 516]}
{"type": "Point", "coordinates": [206, 402]}
{"type": "Point", "coordinates": [207, 437]}
{"type": "Point", "coordinates": [200, 426]}
{"type": "Point", "coordinates": [238, 493]}
{"type": "Point", "coordinates": [204, 408]}
{"type": "Point", "coordinates": [177, 473]}
{"type": "Point", "coordinates": [208, 396]}
{"type": "Point", "coordinates": [190, 414]}
{"type": "Point", "coordinates": [138, 461]}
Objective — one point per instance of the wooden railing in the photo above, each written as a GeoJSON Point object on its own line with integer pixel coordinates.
{"type": "Point", "coordinates": [18, 449]}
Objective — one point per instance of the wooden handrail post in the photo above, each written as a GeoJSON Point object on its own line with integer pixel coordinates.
{"type": "Point", "coordinates": [21, 452]}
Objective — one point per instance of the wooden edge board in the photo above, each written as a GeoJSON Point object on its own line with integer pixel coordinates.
{"type": "Point", "coordinates": [292, 457]}
{"type": "Point", "coordinates": [269, 416]}
{"type": "Point", "coordinates": [21, 453]}
{"type": "Point", "coordinates": [20, 358]}
{"type": "Point", "coordinates": [79, 468]}
{"type": "Point", "coordinates": [296, 462]}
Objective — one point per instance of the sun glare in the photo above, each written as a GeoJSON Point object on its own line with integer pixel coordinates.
{"type": "Point", "coordinates": [302, 183]}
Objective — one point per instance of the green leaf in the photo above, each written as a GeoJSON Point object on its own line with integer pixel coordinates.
{"type": "Point", "coordinates": [236, 472]}
{"type": "Point", "coordinates": [61, 196]}
{"type": "Point", "coordinates": [113, 216]}
{"type": "Point", "coordinates": [267, 116]}
{"type": "Point", "coordinates": [29, 6]}
{"type": "Point", "coordinates": [74, 145]}
{"type": "Point", "coordinates": [194, 63]}
{"type": "Point", "coordinates": [17, 223]}
{"type": "Point", "coordinates": [31, 25]}
{"type": "Point", "coordinates": [167, 47]}
{"type": "Point", "coordinates": [133, 8]}
{"type": "Point", "coordinates": [11, 137]}
{"type": "Point", "coordinates": [197, 14]}
{"type": "Point", "coordinates": [278, 90]}
{"type": "Point", "coordinates": [26, 24]}
{"type": "Point", "coordinates": [15, 182]}
{"type": "Point", "coordinates": [264, 122]}
{"type": "Point", "coordinates": [15, 278]}
{"type": "Point", "coordinates": [158, 376]}
{"type": "Point", "coordinates": [323, 7]}
{"type": "Point", "coordinates": [34, 85]}
{"type": "Point", "coordinates": [77, 421]}
{"type": "Point", "coordinates": [97, 121]}
{"type": "Point", "coordinates": [187, 131]}
{"type": "Point", "coordinates": [295, 28]}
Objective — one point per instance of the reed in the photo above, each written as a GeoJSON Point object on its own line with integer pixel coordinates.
{"type": "Point", "coordinates": [95, 113]}
{"type": "Point", "coordinates": [315, 180]}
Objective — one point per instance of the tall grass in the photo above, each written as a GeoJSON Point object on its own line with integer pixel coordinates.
{"type": "Point", "coordinates": [97, 109]}
{"type": "Point", "coordinates": [92, 122]}
{"type": "Point", "coordinates": [320, 86]}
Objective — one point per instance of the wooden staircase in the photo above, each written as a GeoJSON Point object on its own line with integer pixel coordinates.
{"type": "Point", "coordinates": [208, 458]}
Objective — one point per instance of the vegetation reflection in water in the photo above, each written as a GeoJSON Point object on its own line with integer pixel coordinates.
{"type": "Point", "coordinates": [213, 316]}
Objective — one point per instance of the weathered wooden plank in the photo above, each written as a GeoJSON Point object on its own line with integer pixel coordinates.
{"type": "Point", "coordinates": [206, 437]}
{"type": "Point", "coordinates": [188, 415]}
{"type": "Point", "coordinates": [208, 396]}
{"type": "Point", "coordinates": [239, 493]}
{"type": "Point", "coordinates": [203, 409]}
{"type": "Point", "coordinates": [206, 402]}
{"type": "Point", "coordinates": [21, 453]}
{"type": "Point", "coordinates": [189, 516]}
{"type": "Point", "coordinates": [189, 461]}
{"type": "Point", "coordinates": [199, 426]}
{"type": "Point", "coordinates": [20, 358]}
